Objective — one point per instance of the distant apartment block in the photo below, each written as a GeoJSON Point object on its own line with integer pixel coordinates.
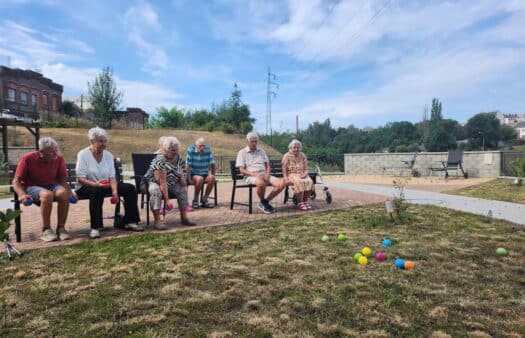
{"type": "Point", "coordinates": [26, 92]}
{"type": "Point", "coordinates": [517, 121]}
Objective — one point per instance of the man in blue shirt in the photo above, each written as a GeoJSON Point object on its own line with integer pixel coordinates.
{"type": "Point", "coordinates": [200, 169]}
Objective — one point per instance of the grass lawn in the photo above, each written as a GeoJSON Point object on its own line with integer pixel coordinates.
{"type": "Point", "coordinates": [500, 190]}
{"type": "Point", "coordinates": [277, 278]}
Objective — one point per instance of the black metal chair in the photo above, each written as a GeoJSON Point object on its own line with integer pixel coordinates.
{"type": "Point", "coordinates": [237, 176]}
{"type": "Point", "coordinates": [141, 163]}
{"type": "Point", "coordinates": [454, 162]}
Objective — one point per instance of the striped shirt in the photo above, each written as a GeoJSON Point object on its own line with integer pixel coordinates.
{"type": "Point", "coordinates": [173, 169]}
{"type": "Point", "coordinates": [199, 163]}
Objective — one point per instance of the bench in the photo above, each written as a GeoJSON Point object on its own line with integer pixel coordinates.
{"type": "Point", "coordinates": [71, 180]}
{"type": "Point", "coordinates": [277, 171]}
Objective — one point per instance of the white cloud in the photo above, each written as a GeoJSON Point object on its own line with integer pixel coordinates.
{"type": "Point", "coordinates": [144, 29]}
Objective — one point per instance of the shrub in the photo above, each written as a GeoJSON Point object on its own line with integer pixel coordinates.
{"type": "Point", "coordinates": [517, 167]}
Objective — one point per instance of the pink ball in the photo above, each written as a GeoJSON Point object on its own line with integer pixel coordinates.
{"type": "Point", "coordinates": [380, 256]}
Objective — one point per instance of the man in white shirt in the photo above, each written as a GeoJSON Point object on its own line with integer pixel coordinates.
{"type": "Point", "coordinates": [254, 165]}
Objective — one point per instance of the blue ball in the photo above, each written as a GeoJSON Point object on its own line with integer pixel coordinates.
{"type": "Point", "coordinates": [387, 242]}
{"type": "Point", "coordinates": [399, 263]}
{"type": "Point", "coordinates": [28, 202]}
{"type": "Point", "coordinates": [72, 199]}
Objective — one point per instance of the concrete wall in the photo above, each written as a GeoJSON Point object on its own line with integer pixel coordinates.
{"type": "Point", "coordinates": [476, 163]}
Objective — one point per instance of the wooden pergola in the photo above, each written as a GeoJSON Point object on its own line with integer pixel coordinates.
{"type": "Point", "coordinates": [33, 127]}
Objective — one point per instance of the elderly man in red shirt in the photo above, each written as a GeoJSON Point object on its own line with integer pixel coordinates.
{"type": "Point", "coordinates": [41, 177]}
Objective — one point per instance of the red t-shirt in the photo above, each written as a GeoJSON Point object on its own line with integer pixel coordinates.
{"type": "Point", "coordinates": [33, 171]}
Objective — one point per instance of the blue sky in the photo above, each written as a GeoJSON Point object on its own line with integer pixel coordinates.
{"type": "Point", "coordinates": [357, 62]}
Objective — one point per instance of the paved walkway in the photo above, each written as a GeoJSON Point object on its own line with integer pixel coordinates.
{"type": "Point", "coordinates": [512, 212]}
{"type": "Point", "coordinates": [78, 218]}
{"type": "Point", "coordinates": [344, 195]}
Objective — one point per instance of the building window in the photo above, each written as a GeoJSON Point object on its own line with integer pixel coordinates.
{"type": "Point", "coordinates": [23, 98]}
{"type": "Point", "coordinates": [44, 99]}
{"type": "Point", "coordinates": [33, 100]}
{"type": "Point", "coordinates": [11, 94]}
{"type": "Point", "coordinates": [54, 103]}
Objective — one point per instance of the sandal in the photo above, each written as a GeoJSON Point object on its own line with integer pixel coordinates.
{"type": "Point", "coordinates": [302, 207]}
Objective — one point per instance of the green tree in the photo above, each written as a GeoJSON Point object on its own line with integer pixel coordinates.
{"type": "Point", "coordinates": [483, 130]}
{"type": "Point", "coordinates": [441, 136]}
{"type": "Point", "coordinates": [69, 108]}
{"type": "Point", "coordinates": [167, 118]}
{"type": "Point", "coordinates": [435, 112]}
{"type": "Point", "coordinates": [104, 98]}
{"type": "Point", "coordinates": [232, 113]}
{"type": "Point", "coordinates": [508, 133]}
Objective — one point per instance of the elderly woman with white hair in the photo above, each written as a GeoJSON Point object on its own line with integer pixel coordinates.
{"type": "Point", "coordinates": [295, 172]}
{"type": "Point", "coordinates": [96, 177]}
{"type": "Point", "coordinates": [166, 177]}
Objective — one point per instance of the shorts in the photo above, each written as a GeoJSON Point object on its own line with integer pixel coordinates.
{"type": "Point", "coordinates": [251, 179]}
{"type": "Point", "coordinates": [35, 190]}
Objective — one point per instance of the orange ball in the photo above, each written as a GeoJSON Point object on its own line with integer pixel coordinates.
{"type": "Point", "coordinates": [409, 265]}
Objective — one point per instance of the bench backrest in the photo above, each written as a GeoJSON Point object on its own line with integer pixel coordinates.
{"type": "Point", "coordinates": [141, 163]}
{"type": "Point", "coordinates": [71, 173]}
{"type": "Point", "coordinates": [455, 157]}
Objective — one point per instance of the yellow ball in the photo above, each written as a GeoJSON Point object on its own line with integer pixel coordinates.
{"type": "Point", "coordinates": [366, 251]}
{"type": "Point", "coordinates": [363, 260]}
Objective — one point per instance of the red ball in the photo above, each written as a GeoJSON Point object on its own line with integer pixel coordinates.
{"type": "Point", "coordinates": [169, 206]}
{"type": "Point", "coordinates": [380, 256]}
{"type": "Point", "coordinates": [114, 200]}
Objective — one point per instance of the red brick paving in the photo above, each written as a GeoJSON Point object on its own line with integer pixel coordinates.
{"type": "Point", "coordinates": [221, 215]}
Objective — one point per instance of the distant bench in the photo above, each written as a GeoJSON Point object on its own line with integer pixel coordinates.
{"type": "Point", "coordinates": [71, 180]}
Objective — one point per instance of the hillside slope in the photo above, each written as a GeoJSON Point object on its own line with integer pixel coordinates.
{"type": "Point", "coordinates": [124, 142]}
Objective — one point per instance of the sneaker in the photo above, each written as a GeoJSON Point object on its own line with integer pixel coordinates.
{"type": "Point", "coordinates": [302, 207]}
{"type": "Point", "coordinates": [206, 204]}
{"type": "Point", "coordinates": [264, 208]}
{"type": "Point", "coordinates": [269, 206]}
{"type": "Point", "coordinates": [62, 234]}
{"type": "Point", "coordinates": [195, 204]}
{"type": "Point", "coordinates": [160, 226]}
{"type": "Point", "coordinates": [133, 227]}
{"type": "Point", "coordinates": [48, 236]}
{"type": "Point", "coordinates": [94, 234]}
{"type": "Point", "coordinates": [188, 223]}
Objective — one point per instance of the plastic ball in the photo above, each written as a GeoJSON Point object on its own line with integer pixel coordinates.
{"type": "Point", "coordinates": [341, 237]}
{"type": "Point", "coordinates": [409, 265]}
{"type": "Point", "coordinates": [363, 260]}
{"type": "Point", "coordinates": [366, 251]}
{"type": "Point", "coordinates": [399, 263]}
{"type": "Point", "coordinates": [501, 252]}
{"type": "Point", "coordinates": [325, 238]}
{"type": "Point", "coordinates": [357, 256]}
{"type": "Point", "coordinates": [28, 202]}
{"type": "Point", "coordinates": [380, 256]}
{"type": "Point", "coordinates": [114, 200]}
{"type": "Point", "coordinates": [105, 182]}
{"type": "Point", "coordinates": [387, 242]}
{"type": "Point", "coordinates": [169, 206]}
{"type": "Point", "coordinates": [73, 199]}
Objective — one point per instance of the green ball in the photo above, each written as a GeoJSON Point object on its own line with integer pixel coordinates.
{"type": "Point", "coordinates": [357, 256]}
{"type": "Point", "coordinates": [501, 252]}
{"type": "Point", "coordinates": [325, 238]}
{"type": "Point", "coordinates": [341, 237]}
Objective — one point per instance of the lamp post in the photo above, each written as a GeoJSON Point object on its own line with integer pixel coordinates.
{"type": "Point", "coordinates": [482, 139]}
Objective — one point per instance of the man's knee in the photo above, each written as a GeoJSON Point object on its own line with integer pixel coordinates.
{"type": "Point", "coordinates": [46, 196]}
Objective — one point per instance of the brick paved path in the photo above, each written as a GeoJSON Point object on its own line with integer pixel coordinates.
{"type": "Point", "coordinates": [78, 220]}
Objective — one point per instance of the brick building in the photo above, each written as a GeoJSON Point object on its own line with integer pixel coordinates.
{"type": "Point", "coordinates": [26, 93]}
{"type": "Point", "coordinates": [135, 118]}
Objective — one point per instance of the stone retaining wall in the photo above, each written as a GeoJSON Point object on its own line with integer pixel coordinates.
{"type": "Point", "coordinates": [476, 163]}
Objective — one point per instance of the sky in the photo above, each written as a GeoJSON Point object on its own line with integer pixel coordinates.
{"type": "Point", "coordinates": [356, 62]}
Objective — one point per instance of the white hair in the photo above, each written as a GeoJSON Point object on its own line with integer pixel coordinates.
{"type": "Point", "coordinates": [168, 142]}
{"type": "Point", "coordinates": [251, 135]}
{"type": "Point", "coordinates": [46, 143]}
{"type": "Point", "coordinates": [294, 142]}
{"type": "Point", "coordinates": [200, 140]}
{"type": "Point", "coordinates": [95, 132]}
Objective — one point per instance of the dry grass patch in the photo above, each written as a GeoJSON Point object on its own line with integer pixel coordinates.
{"type": "Point", "coordinates": [277, 278]}
{"type": "Point", "coordinates": [499, 190]}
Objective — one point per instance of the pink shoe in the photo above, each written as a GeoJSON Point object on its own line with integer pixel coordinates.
{"type": "Point", "coordinates": [308, 205]}
{"type": "Point", "coordinates": [189, 208]}
{"type": "Point", "coordinates": [302, 207]}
